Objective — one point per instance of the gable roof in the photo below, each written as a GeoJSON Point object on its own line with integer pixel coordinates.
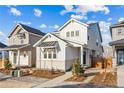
{"type": "Point", "coordinates": [72, 19]}
{"type": "Point", "coordinates": [52, 35]}
{"type": "Point", "coordinates": [28, 29]}
{"type": "Point", "coordinates": [2, 45]}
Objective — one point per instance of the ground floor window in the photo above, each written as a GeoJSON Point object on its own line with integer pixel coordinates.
{"type": "Point", "coordinates": [45, 54]}
{"type": "Point", "coordinates": [50, 53]}
{"type": "Point", "coordinates": [54, 54]}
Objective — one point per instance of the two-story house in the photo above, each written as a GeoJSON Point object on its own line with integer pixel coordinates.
{"type": "Point", "coordinates": [117, 33]}
{"type": "Point", "coordinates": [21, 41]}
{"type": "Point", "coordinates": [58, 50]}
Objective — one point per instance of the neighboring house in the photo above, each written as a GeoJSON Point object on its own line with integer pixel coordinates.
{"type": "Point", "coordinates": [58, 50]}
{"type": "Point", "coordinates": [117, 33]}
{"type": "Point", "coordinates": [4, 54]}
{"type": "Point", "coordinates": [21, 41]}
{"type": "Point", "coordinates": [108, 52]}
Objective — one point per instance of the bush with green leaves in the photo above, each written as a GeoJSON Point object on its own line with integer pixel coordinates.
{"type": "Point", "coordinates": [77, 68]}
{"type": "Point", "coordinates": [7, 64]}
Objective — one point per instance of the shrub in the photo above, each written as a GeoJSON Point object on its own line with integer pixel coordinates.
{"type": "Point", "coordinates": [77, 68]}
{"type": "Point", "coordinates": [7, 64]}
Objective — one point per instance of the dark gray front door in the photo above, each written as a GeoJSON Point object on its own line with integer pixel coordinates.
{"type": "Point", "coordinates": [120, 57]}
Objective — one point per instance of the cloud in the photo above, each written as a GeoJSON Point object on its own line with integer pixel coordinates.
{"type": "Point", "coordinates": [54, 26]}
{"type": "Point", "coordinates": [37, 12]}
{"type": "Point", "coordinates": [109, 19]}
{"type": "Point", "coordinates": [1, 33]}
{"type": "Point", "coordinates": [43, 26]}
{"type": "Point", "coordinates": [105, 31]}
{"type": "Point", "coordinates": [23, 22]}
{"type": "Point", "coordinates": [91, 21]}
{"type": "Point", "coordinates": [121, 19]}
{"type": "Point", "coordinates": [82, 10]}
{"type": "Point", "coordinates": [78, 16]}
{"type": "Point", "coordinates": [15, 12]}
{"type": "Point", "coordinates": [104, 26]}
{"type": "Point", "coordinates": [106, 38]}
{"type": "Point", "coordinates": [68, 8]}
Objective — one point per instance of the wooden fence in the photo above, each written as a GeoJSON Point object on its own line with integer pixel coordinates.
{"type": "Point", "coordinates": [102, 62]}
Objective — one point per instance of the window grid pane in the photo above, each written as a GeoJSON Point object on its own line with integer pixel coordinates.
{"type": "Point", "coordinates": [72, 33]}
{"type": "Point", "coordinates": [77, 33]}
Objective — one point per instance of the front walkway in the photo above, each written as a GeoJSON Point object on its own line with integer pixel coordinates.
{"type": "Point", "coordinates": [120, 76]}
{"type": "Point", "coordinates": [55, 81]}
{"type": "Point", "coordinates": [60, 81]}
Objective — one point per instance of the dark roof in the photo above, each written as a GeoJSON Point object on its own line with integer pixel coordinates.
{"type": "Point", "coordinates": [46, 44]}
{"type": "Point", "coordinates": [32, 30]}
{"type": "Point", "coordinates": [2, 45]}
{"type": "Point", "coordinates": [118, 42]}
{"type": "Point", "coordinates": [118, 24]}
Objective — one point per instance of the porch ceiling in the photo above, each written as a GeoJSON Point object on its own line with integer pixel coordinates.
{"type": "Point", "coordinates": [14, 47]}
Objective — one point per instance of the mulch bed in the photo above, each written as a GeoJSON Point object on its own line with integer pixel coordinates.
{"type": "Point", "coordinates": [5, 71]}
{"type": "Point", "coordinates": [105, 78]}
{"type": "Point", "coordinates": [46, 74]}
{"type": "Point", "coordinates": [76, 78]}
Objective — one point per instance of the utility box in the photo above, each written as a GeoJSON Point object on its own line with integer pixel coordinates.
{"type": "Point", "coordinates": [16, 73]}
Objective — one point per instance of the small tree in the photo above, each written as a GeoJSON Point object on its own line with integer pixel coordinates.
{"type": "Point", "coordinates": [7, 64]}
{"type": "Point", "coordinates": [77, 69]}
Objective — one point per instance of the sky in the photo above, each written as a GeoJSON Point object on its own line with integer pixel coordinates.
{"type": "Point", "coordinates": [49, 18]}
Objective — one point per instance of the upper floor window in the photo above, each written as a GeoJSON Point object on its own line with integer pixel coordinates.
{"type": "Point", "coordinates": [77, 33]}
{"type": "Point", "coordinates": [88, 37]}
{"type": "Point", "coordinates": [97, 42]}
{"type": "Point", "coordinates": [67, 34]}
{"type": "Point", "coordinates": [72, 33]}
{"type": "Point", "coordinates": [119, 31]}
{"type": "Point", "coordinates": [22, 41]}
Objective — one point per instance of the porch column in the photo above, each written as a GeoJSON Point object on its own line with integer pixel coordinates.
{"type": "Point", "coordinates": [3, 58]}
{"type": "Point", "coordinates": [81, 55]}
{"type": "Point", "coordinates": [114, 59]}
{"type": "Point", "coordinates": [18, 62]}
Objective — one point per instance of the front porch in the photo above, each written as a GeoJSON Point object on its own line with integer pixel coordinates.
{"type": "Point", "coordinates": [18, 55]}
{"type": "Point", "coordinates": [52, 56]}
{"type": "Point", "coordinates": [118, 52]}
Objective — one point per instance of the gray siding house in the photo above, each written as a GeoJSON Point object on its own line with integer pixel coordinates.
{"type": "Point", "coordinates": [21, 41]}
{"type": "Point", "coordinates": [117, 33]}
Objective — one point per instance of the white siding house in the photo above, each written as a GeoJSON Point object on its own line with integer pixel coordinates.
{"type": "Point", "coordinates": [58, 50]}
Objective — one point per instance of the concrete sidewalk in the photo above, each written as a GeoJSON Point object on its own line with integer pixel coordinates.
{"type": "Point", "coordinates": [55, 81]}
{"type": "Point", "coordinates": [120, 76]}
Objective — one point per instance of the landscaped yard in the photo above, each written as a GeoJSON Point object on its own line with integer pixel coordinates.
{"type": "Point", "coordinates": [47, 74]}
{"type": "Point", "coordinates": [105, 78]}
{"type": "Point", "coordinates": [76, 78]}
